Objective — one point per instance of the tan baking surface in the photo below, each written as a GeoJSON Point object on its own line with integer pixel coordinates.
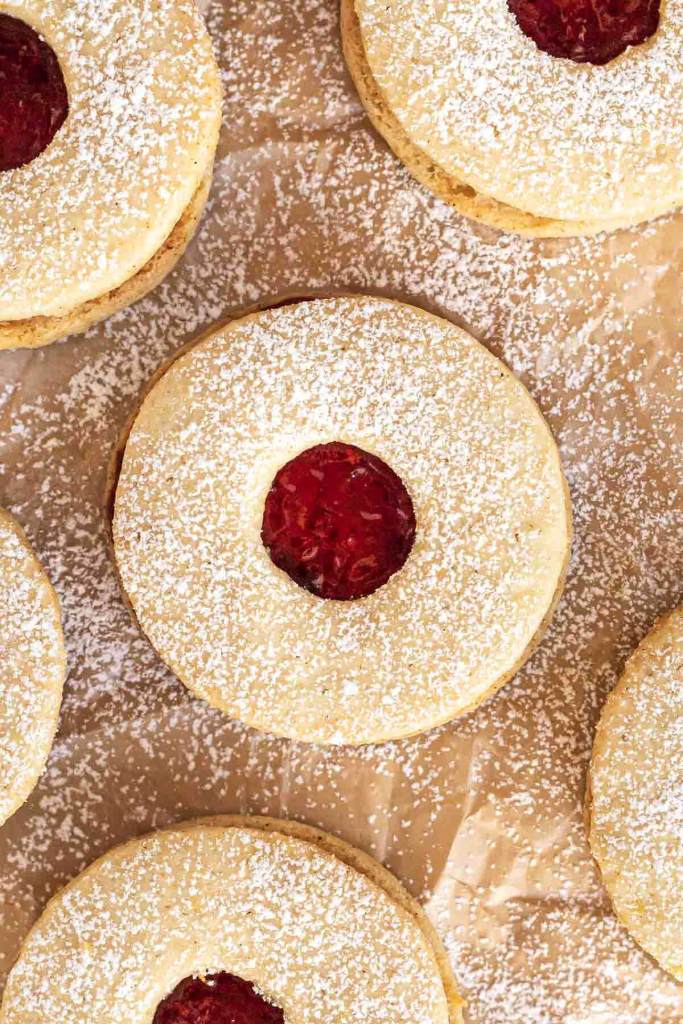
{"type": "Point", "coordinates": [482, 818]}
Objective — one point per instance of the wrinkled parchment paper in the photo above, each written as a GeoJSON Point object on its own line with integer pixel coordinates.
{"type": "Point", "coordinates": [481, 819]}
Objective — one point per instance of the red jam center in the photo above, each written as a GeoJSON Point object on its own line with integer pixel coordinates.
{"type": "Point", "coordinates": [33, 97]}
{"type": "Point", "coordinates": [217, 999]}
{"type": "Point", "coordinates": [586, 31]}
{"type": "Point", "coordinates": [338, 521]}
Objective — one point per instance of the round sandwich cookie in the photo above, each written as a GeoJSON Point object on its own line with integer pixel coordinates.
{"type": "Point", "coordinates": [541, 117]}
{"type": "Point", "coordinates": [247, 920]}
{"type": "Point", "coordinates": [341, 521]}
{"type": "Point", "coordinates": [32, 667]}
{"type": "Point", "coordinates": [635, 795]}
{"type": "Point", "coordinates": [109, 119]}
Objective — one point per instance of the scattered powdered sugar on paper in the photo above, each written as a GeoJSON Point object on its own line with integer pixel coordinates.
{"type": "Point", "coordinates": [483, 818]}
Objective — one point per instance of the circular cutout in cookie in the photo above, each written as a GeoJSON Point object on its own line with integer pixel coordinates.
{"type": "Point", "coordinates": [338, 521]}
{"type": "Point", "coordinates": [216, 999]}
{"type": "Point", "coordinates": [586, 31]}
{"type": "Point", "coordinates": [33, 99]}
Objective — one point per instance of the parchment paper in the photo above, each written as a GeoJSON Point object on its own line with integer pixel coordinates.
{"type": "Point", "coordinates": [482, 819]}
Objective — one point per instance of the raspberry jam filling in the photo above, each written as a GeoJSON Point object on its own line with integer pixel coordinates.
{"type": "Point", "coordinates": [33, 97]}
{"type": "Point", "coordinates": [217, 999]}
{"type": "Point", "coordinates": [586, 31]}
{"type": "Point", "coordinates": [338, 521]}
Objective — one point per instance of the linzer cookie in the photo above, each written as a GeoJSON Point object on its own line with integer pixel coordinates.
{"type": "Point", "coordinates": [109, 120]}
{"type": "Point", "coordinates": [543, 117]}
{"type": "Point", "coordinates": [32, 667]}
{"type": "Point", "coordinates": [341, 521]}
{"type": "Point", "coordinates": [224, 920]}
{"type": "Point", "coordinates": [636, 795]}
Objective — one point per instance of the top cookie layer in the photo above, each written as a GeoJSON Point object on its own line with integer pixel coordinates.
{"type": "Point", "coordinates": [461, 432]}
{"type": "Point", "coordinates": [320, 939]}
{"type": "Point", "coordinates": [557, 139]}
{"type": "Point", "coordinates": [144, 112]}
{"type": "Point", "coordinates": [637, 794]}
{"type": "Point", "coordinates": [32, 667]}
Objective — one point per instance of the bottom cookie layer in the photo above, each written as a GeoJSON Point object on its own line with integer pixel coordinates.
{"type": "Point", "coordinates": [458, 194]}
{"type": "Point", "coordinates": [42, 330]}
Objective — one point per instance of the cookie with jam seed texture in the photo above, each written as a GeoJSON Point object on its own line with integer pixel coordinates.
{"type": "Point", "coordinates": [216, 999]}
{"type": "Point", "coordinates": [32, 667]}
{"type": "Point", "coordinates": [109, 119]}
{"type": "Point", "coordinates": [541, 117]}
{"type": "Point", "coordinates": [586, 31]}
{"type": "Point", "coordinates": [635, 795]}
{"type": "Point", "coordinates": [233, 920]}
{"type": "Point", "coordinates": [341, 521]}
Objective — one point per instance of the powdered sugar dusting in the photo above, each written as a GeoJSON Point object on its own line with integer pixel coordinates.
{"type": "Point", "coordinates": [483, 819]}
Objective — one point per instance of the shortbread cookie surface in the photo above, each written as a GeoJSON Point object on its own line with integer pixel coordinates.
{"type": "Point", "coordinates": [88, 212]}
{"type": "Point", "coordinates": [514, 136]}
{"type": "Point", "coordinates": [636, 794]}
{"type": "Point", "coordinates": [32, 667]}
{"type": "Point", "coordinates": [319, 929]}
{"type": "Point", "coordinates": [448, 419]}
